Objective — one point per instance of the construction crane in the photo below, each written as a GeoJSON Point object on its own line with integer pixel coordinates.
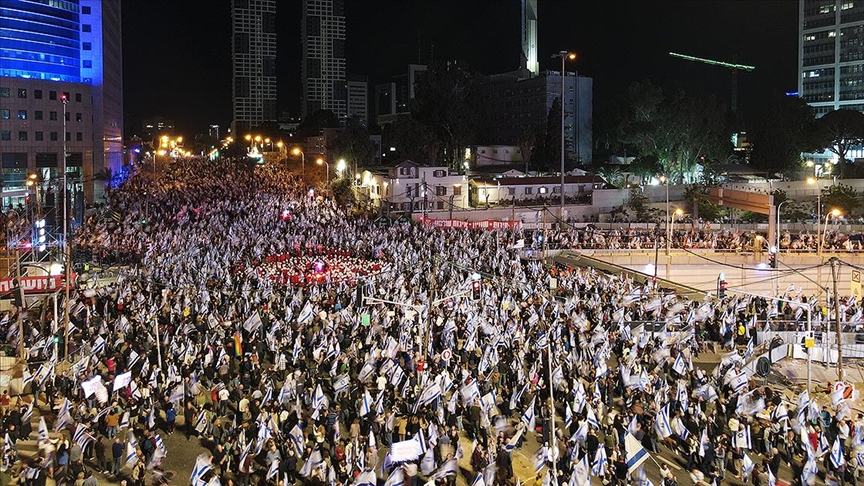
{"type": "Point", "coordinates": [733, 67]}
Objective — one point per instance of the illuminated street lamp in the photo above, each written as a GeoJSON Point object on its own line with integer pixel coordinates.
{"type": "Point", "coordinates": [564, 55]}
{"type": "Point", "coordinates": [296, 151]}
{"type": "Point", "coordinates": [341, 166]}
{"type": "Point", "coordinates": [325, 164]}
{"type": "Point", "coordinates": [834, 212]}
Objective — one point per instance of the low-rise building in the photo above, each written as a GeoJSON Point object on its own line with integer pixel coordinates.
{"type": "Point", "coordinates": [406, 185]}
{"type": "Point", "coordinates": [508, 190]}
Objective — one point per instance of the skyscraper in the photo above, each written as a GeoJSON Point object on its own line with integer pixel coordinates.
{"type": "Point", "coordinates": [831, 54]}
{"type": "Point", "coordinates": [253, 53]}
{"type": "Point", "coordinates": [831, 60]}
{"type": "Point", "coordinates": [529, 37]}
{"type": "Point", "coordinates": [323, 65]}
{"type": "Point", "coordinates": [51, 52]}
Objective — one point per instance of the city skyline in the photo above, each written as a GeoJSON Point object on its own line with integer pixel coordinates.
{"type": "Point", "coordinates": [618, 42]}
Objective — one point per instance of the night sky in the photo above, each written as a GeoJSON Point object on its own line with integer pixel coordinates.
{"type": "Point", "coordinates": [177, 53]}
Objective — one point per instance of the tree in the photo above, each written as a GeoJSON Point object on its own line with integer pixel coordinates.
{"type": "Point", "coordinates": [612, 175]}
{"type": "Point", "coordinates": [342, 190]}
{"type": "Point", "coordinates": [840, 130]}
{"type": "Point", "coordinates": [353, 144]}
{"type": "Point", "coordinates": [680, 129]}
{"type": "Point", "coordinates": [526, 143]}
{"type": "Point", "coordinates": [840, 196]}
{"type": "Point", "coordinates": [787, 130]}
{"type": "Point", "coordinates": [552, 137]}
{"type": "Point", "coordinates": [314, 122]}
{"type": "Point", "coordinates": [411, 139]}
{"type": "Point", "coordinates": [449, 100]}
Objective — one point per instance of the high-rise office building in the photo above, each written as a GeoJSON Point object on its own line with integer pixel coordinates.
{"type": "Point", "coordinates": [358, 98]}
{"type": "Point", "coordinates": [831, 59]}
{"type": "Point", "coordinates": [51, 52]}
{"type": "Point", "coordinates": [322, 70]}
{"type": "Point", "coordinates": [831, 54]}
{"type": "Point", "coordinates": [253, 53]}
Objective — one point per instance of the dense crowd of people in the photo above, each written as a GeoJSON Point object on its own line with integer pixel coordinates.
{"type": "Point", "coordinates": [391, 370]}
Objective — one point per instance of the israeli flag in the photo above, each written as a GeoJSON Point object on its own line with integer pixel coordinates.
{"type": "Point", "coordinates": [808, 473]}
{"type": "Point", "coordinates": [131, 455]}
{"type": "Point", "coordinates": [634, 453]}
{"type": "Point", "coordinates": [749, 351]}
{"type": "Point", "coordinates": [598, 466]}
{"type": "Point", "coordinates": [661, 423]}
{"type": "Point", "coordinates": [680, 429]}
{"type": "Point", "coordinates": [296, 438]}
{"type": "Point", "coordinates": [747, 466]}
{"type": "Point", "coordinates": [739, 381]}
{"type": "Point", "coordinates": [366, 404]}
{"type": "Point", "coordinates": [306, 313]}
{"type": "Point", "coordinates": [273, 470]}
{"type": "Point", "coordinates": [528, 415]}
{"type": "Point", "coordinates": [43, 429]}
{"type": "Point", "coordinates": [98, 345]}
{"type": "Point", "coordinates": [680, 366]}
{"type": "Point", "coordinates": [568, 416]}
{"type": "Point", "coordinates": [318, 398]}
{"type": "Point", "coordinates": [430, 393]}
{"type": "Point", "coordinates": [268, 396]}
{"type": "Point", "coordinates": [837, 453]}
{"type": "Point", "coordinates": [741, 439]}
{"type": "Point", "coordinates": [780, 413]}
{"type": "Point", "coordinates": [592, 419]}
{"type": "Point", "coordinates": [341, 383]}
{"type": "Point", "coordinates": [202, 465]}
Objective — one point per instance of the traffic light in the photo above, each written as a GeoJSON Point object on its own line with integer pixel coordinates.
{"type": "Point", "coordinates": [721, 286]}
{"type": "Point", "coordinates": [475, 290]}
{"type": "Point", "coordinates": [772, 258]}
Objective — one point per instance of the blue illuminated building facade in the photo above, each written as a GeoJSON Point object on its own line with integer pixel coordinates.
{"type": "Point", "coordinates": [50, 49]}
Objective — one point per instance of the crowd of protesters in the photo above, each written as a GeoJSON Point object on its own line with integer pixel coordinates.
{"type": "Point", "coordinates": [399, 373]}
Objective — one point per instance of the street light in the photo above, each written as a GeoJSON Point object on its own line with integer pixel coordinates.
{"type": "Point", "coordinates": [665, 181]}
{"type": "Point", "coordinates": [325, 164]}
{"type": "Point", "coordinates": [340, 166]}
{"type": "Point", "coordinates": [564, 55]}
{"type": "Point", "coordinates": [835, 213]}
{"type": "Point", "coordinates": [296, 151]}
{"type": "Point", "coordinates": [813, 180]}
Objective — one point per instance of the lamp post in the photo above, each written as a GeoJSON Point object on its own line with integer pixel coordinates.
{"type": "Point", "coordinates": [325, 164]}
{"type": "Point", "coordinates": [813, 180]}
{"type": "Point", "coordinates": [564, 55]}
{"type": "Point", "coordinates": [296, 151]}
{"type": "Point", "coordinates": [835, 213]}
{"type": "Point", "coordinates": [66, 263]}
{"type": "Point", "coordinates": [678, 212]}
{"type": "Point", "coordinates": [665, 181]}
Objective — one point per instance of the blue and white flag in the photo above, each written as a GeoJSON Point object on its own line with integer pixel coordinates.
{"type": "Point", "coordinates": [202, 465]}
{"type": "Point", "coordinates": [366, 404]}
{"type": "Point", "coordinates": [341, 383]}
{"type": "Point", "coordinates": [837, 453]}
{"type": "Point", "coordinates": [680, 366]}
{"type": "Point", "coordinates": [306, 313]}
{"type": "Point", "coordinates": [43, 429]}
{"type": "Point", "coordinates": [598, 466]}
{"type": "Point", "coordinates": [747, 466]}
{"type": "Point", "coordinates": [318, 399]}
{"type": "Point", "coordinates": [592, 419]}
{"type": "Point", "coordinates": [634, 453]}
{"type": "Point", "coordinates": [581, 475]}
{"type": "Point", "coordinates": [296, 438]}
{"type": "Point", "coordinates": [780, 413]}
{"type": "Point", "coordinates": [528, 416]}
{"type": "Point", "coordinates": [273, 470]}
{"type": "Point", "coordinates": [661, 423]}
{"type": "Point", "coordinates": [430, 393]}
{"type": "Point", "coordinates": [568, 416]}
{"type": "Point", "coordinates": [741, 439]}
{"type": "Point", "coordinates": [739, 381]}
{"type": "Point", "coordinates": [366, 478]}
{"type": "Point", "coordinates": [131, 455]}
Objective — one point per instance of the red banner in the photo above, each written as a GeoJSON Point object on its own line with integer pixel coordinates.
{"type": "Point", "coordinates": [35, 285]}
{"type": "Point", "coordinates": [485, 224]}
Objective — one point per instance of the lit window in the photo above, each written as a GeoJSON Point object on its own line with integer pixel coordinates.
{"type": "Point", "coordinates": [4, 114]}
{"type": "Point", "coordinates": [22, 93]}
{"type": "Point", "coordinates": [542, 190]}
{"type": "Point", "coordinates": [832, 33]}
{"type": "Point", "coordinates": [847, 6]}
{"type": "Point", "coordinates": [22, 114]}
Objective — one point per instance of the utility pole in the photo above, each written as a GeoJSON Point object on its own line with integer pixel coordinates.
{"type": "Point", "coordinates": [834, 264]}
